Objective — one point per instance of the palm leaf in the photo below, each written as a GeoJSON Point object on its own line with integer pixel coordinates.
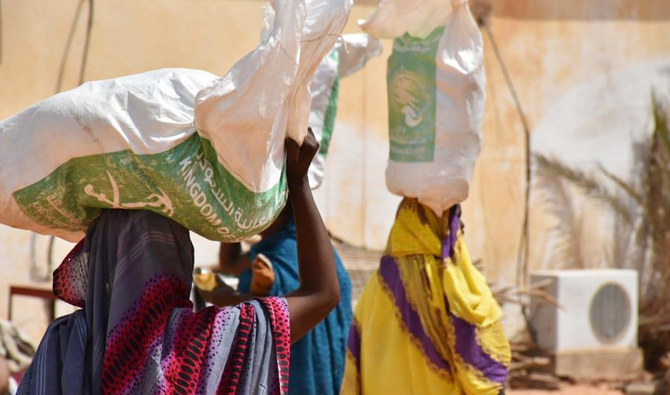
{"type": "Point", "coordinates": [567, 249]}
{"type": "Point", "coordinates": [661, 121]}
{"type": "Point", "coordinates": [629, 189]}
{"type": "Point", "coordinates": [588, 183]}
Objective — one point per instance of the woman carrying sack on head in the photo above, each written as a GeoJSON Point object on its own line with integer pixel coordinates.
{"type": "Point", "coordinates": [136, 332]}
{"type": "Point", "coordinates": [427, 322]}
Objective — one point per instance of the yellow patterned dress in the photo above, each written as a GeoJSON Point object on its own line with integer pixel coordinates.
{"type": "Point", "coordinates": [426, 322]}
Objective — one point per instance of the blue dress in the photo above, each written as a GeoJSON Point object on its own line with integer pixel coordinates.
{"type": "Point", "coordinates": [317, 360]}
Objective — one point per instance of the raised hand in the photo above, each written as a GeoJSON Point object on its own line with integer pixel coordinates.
{"type": "Point", "coordinates": [298, 158]}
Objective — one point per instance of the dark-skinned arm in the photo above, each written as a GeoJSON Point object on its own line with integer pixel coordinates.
{"type": "Point", "coordinates": [224, 295]}
{"type": "Point", "coordinates": [319, 290]}
{"type": "Point", "coordinates": [230, 263]}
{"type": "Point", "coordinates": [231, 260]}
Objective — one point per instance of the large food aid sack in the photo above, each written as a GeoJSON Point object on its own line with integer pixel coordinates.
{"type": "Point", "coordinates": [436, 96]}
{"type": "Point", "coordinates": [350, 54]}
{"type": "Point", "coordinates": [207, 152]}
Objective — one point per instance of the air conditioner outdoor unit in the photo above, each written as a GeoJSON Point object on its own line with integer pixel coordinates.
{"type": "Point", "coordinates": [594, 332]}
{"type": "Point", "coordinates": [598, 309]}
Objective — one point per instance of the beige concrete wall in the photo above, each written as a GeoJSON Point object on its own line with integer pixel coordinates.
{"type": "Point", "coordinates": [554, 50]}
{"type": "Point", "coordinates": [550, 57]}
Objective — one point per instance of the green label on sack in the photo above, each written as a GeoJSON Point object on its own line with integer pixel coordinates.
{"type": "Point", "coordinates": [331, 111]}
{"type": "Point", "coordinates": [411, 98]}
{"type": "Point", "coordinates": [186, 183]}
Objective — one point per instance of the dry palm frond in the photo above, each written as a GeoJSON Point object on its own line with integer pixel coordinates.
{"type": "Point", "coordinates": [586, 182]}
{"type": "Point", "coordinates": [513, 294]}
{"type": "Point", "coordinates": [567, 231]}
{"type": "Point", "coordinates": [626, 187]}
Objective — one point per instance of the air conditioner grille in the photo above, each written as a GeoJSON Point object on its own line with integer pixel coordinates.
{"type": "Point", "coordinates": [610, 312]}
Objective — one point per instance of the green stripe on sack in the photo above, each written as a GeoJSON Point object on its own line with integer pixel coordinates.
{"type": "Point", "coordinates": [329, 118]}
{"type": "Point", "coordinates": [331, 110]}
{"type": "Point", "coordinates": [186, 183]}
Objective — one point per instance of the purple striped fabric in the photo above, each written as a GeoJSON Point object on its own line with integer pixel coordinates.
{"type": "Point", "coordinates": [466, 333]}
{"type": "Point", "coordinates": [472, 353]}
{"type": "Point", "coordinates": [390, 276]}
{"type": "Point", "coordinates": [449, 242]}
{"type": "Point", "coordinates": [354, 343]}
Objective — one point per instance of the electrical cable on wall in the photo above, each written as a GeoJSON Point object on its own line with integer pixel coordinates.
{"type": "Point", "coordinates": [59, 87]}
{"type": "Point", "coordinates": [524, 250]}
{"type": "Point", "coordinates": [68, 46]}
{"type": "Point", "coordinates": [87, 43]}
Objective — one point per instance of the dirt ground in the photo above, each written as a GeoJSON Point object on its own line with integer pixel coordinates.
{"type": "Point", "coordinates": [576, 389]}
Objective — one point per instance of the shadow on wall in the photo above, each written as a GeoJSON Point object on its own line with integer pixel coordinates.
{"type": "Point", "coordinates": [579, 9]}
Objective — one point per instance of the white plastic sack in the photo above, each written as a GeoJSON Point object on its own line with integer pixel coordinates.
{"type": "Point", "coordinates": [207, 152]}
{"type": "Point", "coordinates": [394, 18]}
{"type": "Point", "coordinates": [350, 54]}
{"type": "Point", "coordinates": [436, 97]}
